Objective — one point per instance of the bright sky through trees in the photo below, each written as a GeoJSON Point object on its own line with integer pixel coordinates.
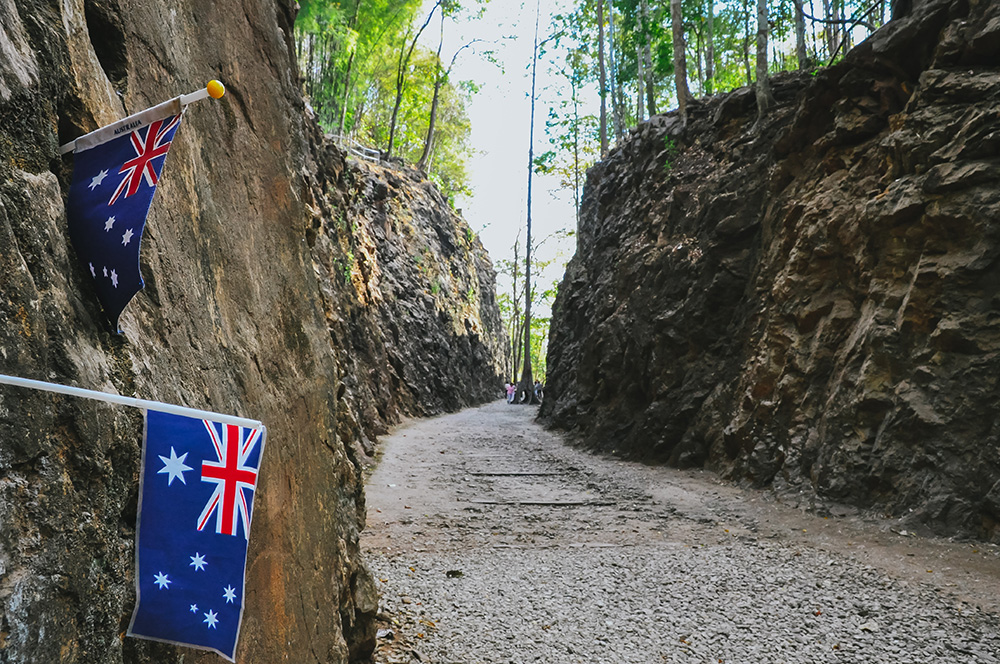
{"type": "Point", "coordinates": [478, 54]}
{"type": "Point", "coordinates": [499, 114]}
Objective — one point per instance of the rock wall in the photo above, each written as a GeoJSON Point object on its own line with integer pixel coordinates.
{"type": "Point", "coordinates": [409, 295]}
{"type": "Point", "coordinates": [277, 288]}
{"type": "Point", "coordinates": [808, 302]}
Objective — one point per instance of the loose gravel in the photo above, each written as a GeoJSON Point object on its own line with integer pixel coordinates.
{"type": "Point", "coordinates": [511, 547]}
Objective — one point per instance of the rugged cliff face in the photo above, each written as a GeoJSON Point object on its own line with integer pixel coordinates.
{"type": "Point", "coordinates": [282, 284]}
{"type": "Point", "coordinates": [408, 294]}
{"type": "Point", "coordinates": [808, 302]}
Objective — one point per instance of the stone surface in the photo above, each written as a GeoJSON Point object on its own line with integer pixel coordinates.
{"type": "Point", "coordinates": [249, 309]}
{"type": "Point", "coordinates": [809, 304]}
{"type": "Point", "coordinates": [491, 540]}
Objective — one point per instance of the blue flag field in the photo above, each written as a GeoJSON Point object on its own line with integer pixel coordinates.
{"type": "Point", "coordinates": [115, 172]}
{"type": "Point", "coordinates": [196, 501]}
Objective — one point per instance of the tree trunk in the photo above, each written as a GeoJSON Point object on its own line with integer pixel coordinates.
{"type": "Point", "coordinates": [348, 86]}
{"type": "Point", "coordinates": [647, 62]}
{"type": "Point", "coordinates": [831, 44]}
{"type": "Point", "coordinates": [515, 328]}
{"type": "Point", "coordinates": [310, 88]}
{"type": "Point", "coordinates": [438, 81]}
{"type": "Point", "coordinates": [746, 41]}
{"type": "Point", "coordinates": [765, 99]}
{"type": "Point", "coordinates": [616, 92]}
{"type": "Point", "coordinates": [576, 151]}
{"type": "Point", "coordinates": [680, 60]}
{"type": "Point", "coordinates": [640, 88]}
{"type": "Point", "coordinates": [699, 73]}
{"type": "Point", "coordinates": [710, 49]}
{"type": "Point", "coordinates": [815, 37]}
{"type": "Point", "coordinates": [527, 377]}
{"type": "Point", "coordinates": [401, 65]}
{"type": "Point", "coordinates": [800, 37]}
{"type": "Point", "coordinates": [835, 29]}
{"type": "Point", "coordinates": [603, 78]}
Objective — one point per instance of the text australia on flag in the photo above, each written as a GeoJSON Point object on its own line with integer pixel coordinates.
{"type": "Point", "coordinates": [196, 501]}
{"type": "Point", "coordinates": [115, 172]}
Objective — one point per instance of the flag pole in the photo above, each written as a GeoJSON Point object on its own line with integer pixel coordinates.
{"type": "Point", "coordinates": [215, 89]}
{"type": "Point", "coordinates": [129, 401]}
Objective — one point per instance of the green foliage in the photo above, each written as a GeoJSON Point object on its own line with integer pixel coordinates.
{"type": "Point", "coordinates": [345, 266]}
{"type": "Point", "coordinates": [511, 303]}
{"type": "Point", "coordinates": [671, 151]}
{"type": "Point", "coordinates": [731, 33]}
{"type": "Point", "coordinates": [349, 51]}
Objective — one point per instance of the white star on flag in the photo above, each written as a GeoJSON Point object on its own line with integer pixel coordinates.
{"type": "Point", "coordinates": [194, 608]}
{"type": "Point", "coordinates": [161, 580]}
{"type": "Point", "coordinates": [174, 466]}
{"type": "Point", "coordinates": [126, 237]}
{"type": "Point", "coordinates": [93, 272]}
{"type": "Point", "coordinates": [114, 278]}
{"type": "Point", "coordinates": [211, 618]}
{"type": "Point", "coordinates": [98, 179]}
{"type": "Point", "coordinates": [230, 594]}
{"type": "Point", "coordinates": [109, 223]}
{"type": "Point", "coordinates": [197, 560]}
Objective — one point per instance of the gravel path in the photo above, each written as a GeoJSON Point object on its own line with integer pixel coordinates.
{"type": "Point", "coordinates": [492, 542]}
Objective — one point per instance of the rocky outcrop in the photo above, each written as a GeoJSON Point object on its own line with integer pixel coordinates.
{"type": "Point", "coordinates": [808, 302]}
{"type": "Point", "coordinates": [278, 288]}
{"type": "Point", "coordinates": [408, 294]}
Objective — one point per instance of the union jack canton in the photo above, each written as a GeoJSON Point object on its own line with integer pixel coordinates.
{"type": "Point", "coordinates": [197, 487]}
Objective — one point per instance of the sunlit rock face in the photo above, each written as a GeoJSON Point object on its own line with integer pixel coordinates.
{"type": "Point", "coordinates": [810, 303]}
{"type": "Point", "coordinates": [281, 284]}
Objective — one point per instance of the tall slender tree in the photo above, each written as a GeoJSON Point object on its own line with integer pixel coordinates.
{"type": "Point", "coordinates": [747, 38]}
{"type": "Point", "coordinates": [765, 99]}
{"type": "Point", "coordinates": [640, 84]}
{"type": "Point", "coordinates": [680, 60]}
{"type": "Point", "coordinates": [526, 387]}
{"type": "Point", "coordinates": [801, 54]}
{"type": "Point", "coordinates": [603, 74]}
{"type": "Point", "coordinates": [646, 65]}
{"type": "Point", "coordinates": [438, 80]}
{"type": "Point", "coordinates": [617, 101]}
{"type": "Point", "coordinates": [401, 68]}
{"type": "Point", "coordinates": [710, 47]}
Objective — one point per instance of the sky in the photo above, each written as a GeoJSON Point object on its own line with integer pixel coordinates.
{"type": "Point", "coordinates": [500, 118]}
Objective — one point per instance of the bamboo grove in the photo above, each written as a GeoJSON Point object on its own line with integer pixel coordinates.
{"type": "Point", "coordinates": [368, 78]}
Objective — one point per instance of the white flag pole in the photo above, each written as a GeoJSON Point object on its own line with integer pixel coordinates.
{"type": "Point", "coordinates": [214, 89]}
{"type": "Point", "coordinates": [128, 401]}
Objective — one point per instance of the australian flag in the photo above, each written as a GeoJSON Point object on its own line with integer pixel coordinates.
{"type": "Point", "coordinates": [196, 499]}
{"type": "Point", "coordinates": [115, 172]}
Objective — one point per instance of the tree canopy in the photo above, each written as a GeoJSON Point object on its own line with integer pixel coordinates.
{"type": "Point", "coordinates": [368, 78]}
{"type": "Point", "coordinates": [722, 48]}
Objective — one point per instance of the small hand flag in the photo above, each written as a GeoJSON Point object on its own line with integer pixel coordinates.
{"type": "Point", "coordinates": [115, 172]}
{"type": "Point", "coordinates": [197, 489]}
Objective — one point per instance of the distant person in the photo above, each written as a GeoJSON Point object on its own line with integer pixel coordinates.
{"type": "Point", "coordinates": [538, 390]}
{"type": "Point", "coordinates": [511, 389]}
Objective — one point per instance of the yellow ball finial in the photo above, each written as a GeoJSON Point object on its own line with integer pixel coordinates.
{"type": "Point", "coordinates": [216, 89]}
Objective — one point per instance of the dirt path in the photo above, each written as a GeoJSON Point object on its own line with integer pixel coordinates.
{"type": "Point", "coordinates": [488, 484]}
